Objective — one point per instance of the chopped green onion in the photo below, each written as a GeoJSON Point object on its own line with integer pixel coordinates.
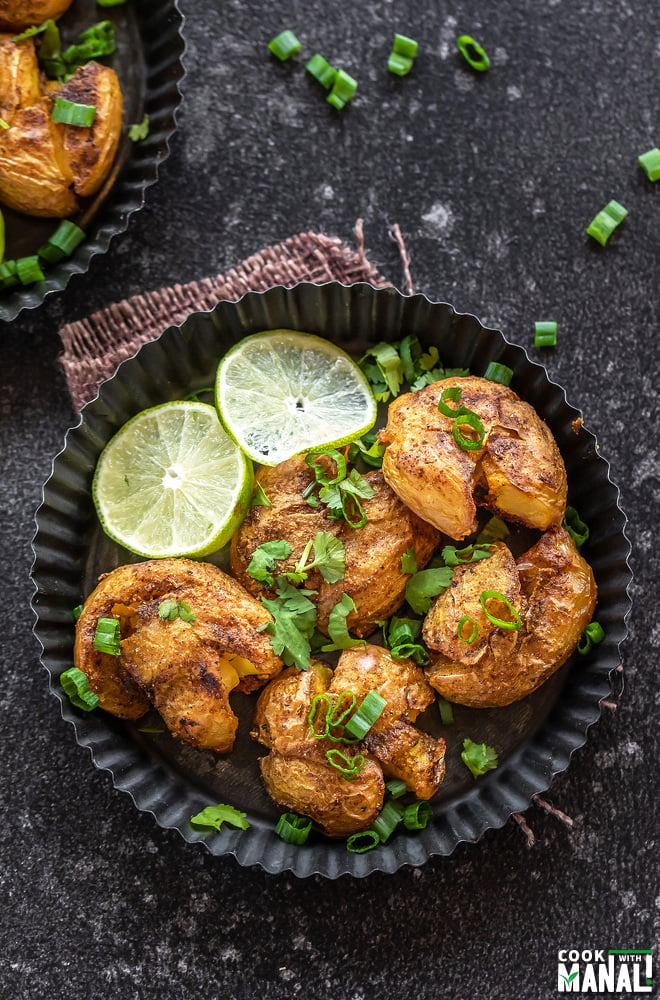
{"type": "Point", "coordinates": [495, 595]}
{"type": "Point", "coordinates": [321, 70]}
{"type": "Point", "coordinates": [8, 274]}
{"type": "Point", "coordinates": [603, 225]}
{"type": "Point", "coordinates": [260, 499]}
{"type": "Point", "coordinates": [359, 843]}
{"type": "Point", "coordinates": [396, 788]}
{"type": "Point", "coordinates": [3, 123]}
{"type": "Point", "coordinates": [170, 610]}
{"type": "Point", "coordinates": [107, 636]}
{"type": "Point", "coordinates": [348, 767]}
{"type": "Point", "coordinates": [28, 270]}
{"type": "Point", "coordinates": [70, 113]}
{"type": "Point", "coordinates": [284, 45]}
{"type": "Point", "coordinates": [399, 65]}
{"type": "Point", "coordinates": [36, 29]}
{"type": "Point", "coordinates": [473, 53]}
{"type": "Point", "coordinates": [388, 819]}
{"type": "Point", "coordinates": [110, 3]}
{"type": "Point", "coordinates": [140, 130]}
{"type": "Point", "coordinates": [575, 526]}
{"type": "Point", "coordinates": [460, 631]}
{"type": "Point", "coordinates": [499, 373]}
{"type": "Point", "coordinates": [213, 817]}
{"type": "Point", "coordinates": [417, 815]}
{"type": "Point", "coordinates": [93, 43]}
{"type": "Point", "coordinates": [592, 635]}
{"type": "Point", "coordinates": [331, 719]}
{"type": "Point", "coordinates": [479, 757]}
{"type": "Point", "coordinates": [319, 473]}
{"type": "Point", "coordinates": [338, 629]}
{"type": "Point", "coordinates": [74, 683]}
{"type": "Point", "coordinates": [77, 611]}
{"type": "Point", "coordinates": [468, 419]}
{"type": "Point", "coordinates": [402, 56]}
{"type": "Point", "coordinates": [446, 711]}
{"type": "Point", "coordinates": [402, 640]}
{"type": "Point", "coordinates": [367, 713]}
{"type": "Point", "coordinates": [293, 829]}
{"type": "Point", "coordinates": [343, 90]}
{"type": "Point", "coordinates": [471, 553]}
{"type": "Point", "coordinates": [151, 730]}
{"type": "Point", "coordinates": [494, 530]}
{"type": "Point", "coordinates": [63, 242]}
{"type": "Point", "coordinates": [545, 334]}
{"type": "Point", "coordinates": [454, 394]}
{"type": "Point", "coordinates": [650, 161]}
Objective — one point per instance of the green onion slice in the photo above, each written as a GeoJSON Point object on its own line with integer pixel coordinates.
{"type": "Point", "coordinates": [321, 70]}
{"type": "Point", "coordinates": [650, 162]}
{"type": "Point", "coordinates": [107, 636]}
{"type": "Point", "coordinates": [575, 526]}
{"type": "Point", "coordinates": [499, 373]}
{"type": "Point", "coordinates": [446, 711]}
{"type": "Point", "coordinates": [404, 46]}
{"type": "Point", "coordinates": [388, 819]}
{"type": "Point", "coordinates": [417, 815]}
{"type": "Point", "coordinates": [495, 595]}
{"type": "Point", "coordinates": [284, 45]}
{"type": "Point", "coordinates": [460, 631]}
{"type": "Point", "coordinates": [293, 829]}
{"type": "Point", "coordinates": [396, 788]}
{"type": "Point", "coordinates": [63, 242]}
{"type": "Point", "coordinates": [320, 474]}
{"type": "Point", "coordinates": [603, 225]}
{"type": "Point", "coordinates": [348, 767]}
{"type": "Point", "coordinates": [28, 270]}
{"type": "Point", "coordinates": [592, 635]}
{"type": "Point", "coordinates": [8, 274]}
{"type": "Point", "coordinates": [367, 713]}
{"type": "Point", "coordinates": [454, 394]}
{"type": "Point", "coordinates": [70, 113]}
{"type": "Point", "coordinates": [343, 90]}
{"type": "Point", "coordinates": [468, 419]}
{"type": "Point", "coordinates": [359, 843]}
{"type": "Point", "coordinates": [3, 123]}
{"type": "Point", "coordinates": [110, 3]}
{"type": "Point", "coordinates": [74, 683]}
{"type": "Point", "coordinates": [77, 611]}
{"type": "Point", "coordinates": [333, 717]}
{"type": "Point", "coordinates": [473, 53]}
{"type": "Point", "coordinates": [545, 334]}
{"type": "Point", "coordinates": [399, 65]}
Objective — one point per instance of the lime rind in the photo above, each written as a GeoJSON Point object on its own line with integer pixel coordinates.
{"type": "Point", "coordinates": [172, 483]}
{"type": "Point", "coordinates": [282, 392]}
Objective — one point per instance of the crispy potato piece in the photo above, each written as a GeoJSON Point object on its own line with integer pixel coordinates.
{"type": "Point", "coordinates": [186, 670]}
{"type": "Point", "coordinates": [35, 178]}
{"type": "Point", "coordinates": [518, 472]}
{"type": "Point", "coordinates": [400, 682]}
{"type": "Point", "coordinates": [280, 720]}
{"type": "Point", "coordinates": [373, 553]}
{"type": "Point", "coordinates": [557, 597]}
{"type": "Point", "coordinates": [19, 76]}
{"type": "Point", "coordinates": [406, 753]}
{"type": "Point", "coordinates": [18, 14]}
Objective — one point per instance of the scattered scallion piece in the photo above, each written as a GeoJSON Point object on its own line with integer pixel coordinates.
{"type": "Point", "coordinates": [479, 757]}
{"type": "Point", "coordinates": [494, 595]}
{"type": "Point", "coordinates": [499, 373]}
{"type": "Point", "coordinates": [471, 420]}
{"type": "Point", "coordinates": [396, 788]}
{"type": "Point", "coordinates": [110, 3]}
{"type": "Point", "coordinates": [8, 274]}
{"type": "Point", "coordinates": [650, 162]}
{"type": "Point", "coordinates": [343, 89]}
{"type": "Point", "coordinates": [107, 636]}
{"type": "Point", "coordinates": [460, 631]}
{"type": "Point", "coordinates": [260, 499]}
{"type": "Point", "coordinates": [473, 53]}
{"type": "Point", "coordinates": [3, 123]}
{"type": "Point", "coordinates": [387, 820]}
{"type": "Point", "coordinates": [140, 130]}
{"type": "Point", "coordinates": [403, 640]}
{"type": "Point", "coordinates": [321, 70]}
{"type": "Point", "coordinates": [446, 711]}
{"type": "Point", "coordinates": [575, 526]}
{"type": "Point", "coordinates": [348, 767]}
{"type": "Point", "coordinates": [284, 45]}
{"type": "Point", "coordinates": [77, 611]}
{"type": "Point", "coordinates": [293, 829]}
{"type": "Point", "coordinates": [359, 843]}
{"type": "Point", "coordinates": [603, 225]}
{"type": "Point", "coordinates": [96, 41]}
{"type": "Point", "coordinates": [76, 688]}
{"type": "Point", "coordinates": [28, 270]}
{"type": "Point", "coordinates": [545, 334]}
{"type": "Point", "coordinates": [592, 635]}
{"type": "Point", "coordinates": [366, 714]}
{"type": "Point", "coordinates": [417, 815]}
{"type": "Point", "coordinates": [402, 56]}
{"type": "Point", "coordinates": [70, 113]}
{"type": "Point", "coordinates": [453, 393]}
{"type": "Point", "coordinates": [332, 721]}
{"type": "Point", "coordinates": [63, 242]}
{"type": "Point", "coordinates": [213, 817]}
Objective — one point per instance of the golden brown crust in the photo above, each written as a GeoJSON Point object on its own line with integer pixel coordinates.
{"type": "Point", "coordinates": [518, 472]}
{"type": "Point", "coordinates": [18, 14]}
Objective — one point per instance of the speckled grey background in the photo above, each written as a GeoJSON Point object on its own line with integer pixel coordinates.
{"type": "Point", "coordinates": [492, 180]}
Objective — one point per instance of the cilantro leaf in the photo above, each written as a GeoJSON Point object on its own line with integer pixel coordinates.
{"type": "Point", "coordinates": [425, 585]}
{"type": "Point", "coordinates": [338, 628]}
{"type": "Point", "coordinates": [471, 553]}
{"type": "Point", "coordinates": [213, 817]}
{"type": "Point", "coordinates": [329, 557]}
{"type": "Point", "coordinates": [357, 485]}
{"type": "Point", "coordinates": [260, 499]}
{"type": "Point", "coordinates": [264, 560]}
{"type": "Point", "coordinates": [479, 757]}
{"type": "Point", "coordinates": [494, 530]}
{"type": "Point", "coordinates": [293, 625]}
{"type": "Point", "coordinates": [389, 369]}
{"type": "Point", "coordinates": [140, 130]}
{"type": "Point", "coordinates": [169, 610]}
{"type": "Point", "coordinates": [409, 562]}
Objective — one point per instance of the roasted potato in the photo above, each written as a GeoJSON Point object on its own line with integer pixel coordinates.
{"type": "Point", "coordinates": [554, 591]}
{"type": "Point", "coordinates": [518, 471]}
{"type": "Point", "coordinates": [35, 176]}
{"type": "Point", "coordinates": [18, 14]}
{"type": "Point", "coordinates": [19, 76]}
{"type": "Point", "coordinates": [373, 579]}
{"type": "Point", "coordinates": [297, 773]}
{"type": "Point", "coordinates": [186, 670]}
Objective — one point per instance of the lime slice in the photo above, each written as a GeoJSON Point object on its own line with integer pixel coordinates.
{"type": "Point", "coordinates": [281, 392]}
{"type": "Point", "coordinates": [171, 483]}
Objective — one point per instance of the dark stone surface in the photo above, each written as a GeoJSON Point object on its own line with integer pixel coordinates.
{"type": "Point", "coordinates": [492, 180]}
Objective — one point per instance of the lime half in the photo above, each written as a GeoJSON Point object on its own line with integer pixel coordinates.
{"type": "Point", "coordinates": [172, 483]}
{"type": "Point", "coordinates": [281, 392]}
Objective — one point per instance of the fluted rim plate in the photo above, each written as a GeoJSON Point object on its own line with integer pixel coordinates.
{"type": "Point", "coordinates": [536, 738]}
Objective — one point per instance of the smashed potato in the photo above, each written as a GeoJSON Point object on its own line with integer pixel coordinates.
{"type": "Point", "coordinates": [297, 773]}
{"type": "Point", "coordinates": [374, 579]}
{"type": "Point", "coordinates": [185, 669]}
{"type": "Point", "coordinates": [554, 592]}
{"type": "Point", "coordinates": [518, 471]}
{"type": "Point", "coordinates": [18, 14]}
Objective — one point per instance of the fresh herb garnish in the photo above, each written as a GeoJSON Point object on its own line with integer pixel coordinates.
{"type": "Point", "coordinates": [107, 636]}
{"type": "Point", "coordinates": [76, 688]}
{"type": "Point", "coordinates": [337, 627]}
{"type": "Point", "coordinates": [329, 559]}
{"type": "Point", "coordinates": [471, 553]}
{"type": "Point", "coordinates": [265, 558]}
{"type": "Point", "coordinates": [213, 817]}
{"type": "Point", "coordinates": [409, 561]}
{"type": "Point", "coordinates": [479, 757]}
{"type": "Point", "coordinates": [446, 711]}
{"type": "Point", "coordinates": [575, 526]}
{"type": "Point", "coordinates": [494, 530]}
{"type": "Point", "coordinates": [169, 610]}
{"type": "Point", "coordinates": [592, 635]}
{"type": "Point", "coordinates": [293, 626]}
{"type": "Point", "coordinates": [260, 499]}
{"type": "Point", "coordinates": [511, 625]}
{"type": "Point", "coordinates": [293, 829]}
{"type": "Point", "coordinates": [331, 725]}
{"type": "Point", "coordinates": [425, 585]}
{"type": "Point", "coordinates": [403, 361]}
{"type": "Point", "coordinates": [140, 130]}
{"type": "Point", "coordinates": [348, 767]}
{"type": "Point", "coordinates": [402, 638]}
{"type": "Point", "coordinates": [366, 714]}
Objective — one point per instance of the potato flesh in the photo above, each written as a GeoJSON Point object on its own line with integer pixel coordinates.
{"type": "Point", "coordinates": [18, 14]}
{"type": "Point", "coordinates": [517, 473]}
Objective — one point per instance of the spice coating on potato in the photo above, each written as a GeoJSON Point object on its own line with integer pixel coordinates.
{"type": "Point", "coordinates": [373, 579]}
{"type": "Point", "coordinates": [557, 597]}
{"type": "Point", "coordinates": [19, 14]}
{"type": "Point", "coordinates": [517, 472]}
{"type": "Point", "coordinates": [184, 669]}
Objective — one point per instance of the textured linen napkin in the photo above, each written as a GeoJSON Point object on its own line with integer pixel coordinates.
{"type": "Point", "coordinates": [95, 346]}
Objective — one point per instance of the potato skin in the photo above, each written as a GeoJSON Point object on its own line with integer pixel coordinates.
{"type": "Point", "coordinates": [518, 472]}
{"type": "Point", "coordinates": [19, 76]}
{"type": "Point", "coordinates": [34, 176]}
{"type": "Point", "coordinates": [557, 597]}
{"type": "Point", "coordinates": [373, 553]}
{"type": "Point", "coordinates": [18, 14]}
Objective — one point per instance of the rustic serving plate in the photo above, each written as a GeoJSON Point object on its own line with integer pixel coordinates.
{"type": "Point", "coordinates": [535, 737]}
{"type": "Point", "coordinates": [148, 62]}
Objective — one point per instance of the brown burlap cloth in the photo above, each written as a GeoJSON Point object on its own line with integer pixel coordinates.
{"type": "Point", "coordinates": [95, 346]}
